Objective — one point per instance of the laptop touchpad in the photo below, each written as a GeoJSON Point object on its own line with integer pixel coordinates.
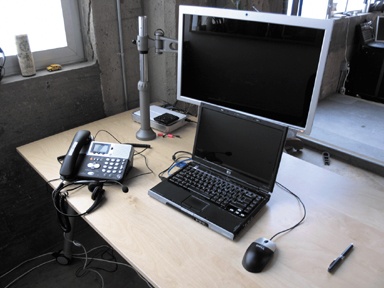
{"type": "Point", "coordinates": [194, 204]}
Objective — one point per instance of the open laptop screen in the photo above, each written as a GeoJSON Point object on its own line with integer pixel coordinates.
{"type": "Point", "coordinates": [242, 146]}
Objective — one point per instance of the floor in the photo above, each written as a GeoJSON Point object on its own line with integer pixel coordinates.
{"type": "Point", "coordinates": [351, 129]}
{"type": "Point", "coordinates": [342, 127]}
{"type": "Point", "coordinates": [97, 273]}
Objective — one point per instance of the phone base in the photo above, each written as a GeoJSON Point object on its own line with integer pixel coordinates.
{"type": "Point", "coordinates": [106, 161]}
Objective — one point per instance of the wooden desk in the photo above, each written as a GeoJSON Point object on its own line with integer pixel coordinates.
{"type": "Point", "coordinates": [172, 250]}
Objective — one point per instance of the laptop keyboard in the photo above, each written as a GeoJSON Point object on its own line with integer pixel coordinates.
{"type": "Point", "coordinates": [229, 196]}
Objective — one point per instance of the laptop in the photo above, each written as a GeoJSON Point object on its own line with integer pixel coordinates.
{"type": "Point", "coordinates": [236, 154]}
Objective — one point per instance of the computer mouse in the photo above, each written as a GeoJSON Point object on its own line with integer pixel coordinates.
{"type": "Point", "coordinates": [258, 254]}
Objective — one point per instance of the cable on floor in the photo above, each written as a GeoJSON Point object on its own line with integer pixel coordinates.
{"type": "Point", "coordinates": [75, 256]}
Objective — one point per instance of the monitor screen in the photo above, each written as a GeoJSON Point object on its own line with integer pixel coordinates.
{"type": "Point", "coordinates": [380, 29]}
{"type": "Point", "coordinates": [269, 65]}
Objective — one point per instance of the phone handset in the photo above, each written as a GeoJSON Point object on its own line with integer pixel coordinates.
{"type": "Point", "coordinates": [68, 168]}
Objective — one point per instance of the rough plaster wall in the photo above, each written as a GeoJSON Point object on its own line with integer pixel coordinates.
{"type": "Point", "coordinates": [164, 15]}
{"type": "Point", "coordinates": [32, 109]}
{"type": "Point", "coordinates": [103, 32]}
{"type": "Point", "coordinates": [162, 67]}
{"type": "Point", "coordinates": [87, 29]}
{"type": "Point", "coordinates": [107, 48]}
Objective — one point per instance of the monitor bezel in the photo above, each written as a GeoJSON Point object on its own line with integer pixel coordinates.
{"type": "Point", "coordinates": [379, 35]}
{"type": "Point", "coordinates": [324, 24]}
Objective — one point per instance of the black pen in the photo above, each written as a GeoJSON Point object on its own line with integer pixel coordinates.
{"type": "Point", "coordinates": [339, 259]}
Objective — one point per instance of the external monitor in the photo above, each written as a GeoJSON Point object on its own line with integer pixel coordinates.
{"type": "Point", "coordinates": [380, 29]}
{"type": "Point", "coordinates": [264, 64]}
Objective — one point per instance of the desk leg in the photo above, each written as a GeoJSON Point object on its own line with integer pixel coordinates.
{"type": "Point", "coordinates": [66, 256]}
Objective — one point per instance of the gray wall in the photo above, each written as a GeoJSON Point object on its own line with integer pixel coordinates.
{"type": "Point", "coordinates": [40, 106]}
{"type": "Point", "coordinates": [31, 109]}
{"type": "Point", "coordinates": [49, 103]}
{"type": "Point", "coordinates": [162, 68]}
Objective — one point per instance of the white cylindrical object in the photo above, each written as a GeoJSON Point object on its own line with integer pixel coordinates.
{"type": "Point", "coordinates": [143, 26]}
{"type": "Point", "coordinates": [24, 54]}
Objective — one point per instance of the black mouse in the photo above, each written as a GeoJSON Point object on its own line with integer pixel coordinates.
{"type": "Point", "coordinates": [258, 255]}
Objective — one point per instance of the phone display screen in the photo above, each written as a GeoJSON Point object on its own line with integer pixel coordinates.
{"type": "Point", "coordinates": [100, 148]}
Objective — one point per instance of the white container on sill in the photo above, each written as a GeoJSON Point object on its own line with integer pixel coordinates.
{"type": "Point", "coordinates": [24, 54]}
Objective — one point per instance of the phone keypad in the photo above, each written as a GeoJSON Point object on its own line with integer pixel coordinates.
{"type": "Point", "coordinates": [113, 166]}
{"type": "Point", "coordinates": [105, 168]}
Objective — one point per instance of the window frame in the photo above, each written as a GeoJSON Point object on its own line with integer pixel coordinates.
{"type": "Point", "coordinates": [72, 53]}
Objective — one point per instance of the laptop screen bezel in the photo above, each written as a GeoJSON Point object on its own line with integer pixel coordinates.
{"type": "Point", "coordinates": [263, 184]}
{"type": "Point", "coordinates": [379, 35]}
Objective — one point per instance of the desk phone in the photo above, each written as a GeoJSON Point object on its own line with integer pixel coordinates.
{"type": "Point", "coordinates": [88, 159]}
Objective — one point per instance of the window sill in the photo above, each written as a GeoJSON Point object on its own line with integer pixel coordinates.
{"type": "Point", "coordinates": [342, 16]}
{"type": "Point", "coordinates": [43, 73]}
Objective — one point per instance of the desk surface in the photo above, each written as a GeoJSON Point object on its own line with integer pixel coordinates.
{"type": "Point", "coordinates": [172, 250]}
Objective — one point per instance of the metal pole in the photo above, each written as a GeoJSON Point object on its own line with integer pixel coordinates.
{"type": "Point", "coordinates": [145, 133]}
{"type": "Point", "coordinates": [65, 256]}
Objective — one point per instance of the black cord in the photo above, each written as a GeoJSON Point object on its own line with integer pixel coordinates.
{"type": "Point", "coordinates": [59, 195]}
{"type": "Point", "coordinates": [174, 156]}
{"type": "Point", "coordinates": [117, 140]}
{"type": "Point", "coordinates": [146, 164]}
{"type": "Point", "coordinates": [80, 272]}
{"type": "Point", "coordinates": [191, 121]}
{"type": "Point", "coordinates": [59, 199]}
{"type": "Point", "coordinates": [175, 159]}
{"type": "Point", "coordinates": [109, 133]}
{"type": "Point", "coordinates": [301, 202]}
{"type": "Point", "coordinates": [60, 159]}
{"type": "Point", "coordinates": [173, 107]}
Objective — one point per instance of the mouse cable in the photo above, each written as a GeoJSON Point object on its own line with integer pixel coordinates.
{"type": "Point", "coordinates": [302, 204]}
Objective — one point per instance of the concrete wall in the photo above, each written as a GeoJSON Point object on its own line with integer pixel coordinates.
{"type": "Point", "coordinates": [48, 103]}
{"type": "Point", "coordinates": [162, 68]}
{"type": "Point", "coordinates": [36, 107]}
{"type": "Point", "coordinates": [164, 15]}
{"type": "Point", "coordinates": [32, 109]}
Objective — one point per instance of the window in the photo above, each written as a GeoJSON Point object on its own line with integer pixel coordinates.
{"type": "Point", "coordinates": [342, 6]}
{"type": "Point", "coordinates": [53, 29]}
{"type": "Point", "coordinates": [319, 8]}
{"type": "Point", "coordinates": [314, 9]}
